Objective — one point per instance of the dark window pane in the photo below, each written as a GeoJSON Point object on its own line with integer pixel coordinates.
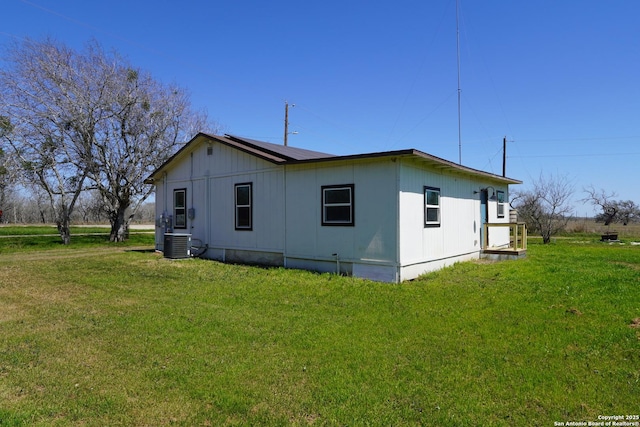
{"type": "Point", "coordinates": [179, 208]}
{"type": "Point", "coordinates": [341, 195]}
{"type": "Point", "coordinates": [243, 196]}
{"type": "Point", "coordinates": [179, 199]}
{"type": "Point", "coordinates": [432, 214]}
{"type": "Point", "coordinates": [243, 217]}
{"type": "Point", "coordinates": [180, 219]}
{"type": "Point", "coordinates": [338, 213]}
{"type": "Point", "coordinates": [433, 198]}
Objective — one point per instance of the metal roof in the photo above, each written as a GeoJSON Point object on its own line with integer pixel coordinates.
{"type": "Point", "coordinates": [286, 152]}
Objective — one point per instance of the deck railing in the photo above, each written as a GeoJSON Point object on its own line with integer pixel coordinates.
{"type": "Point", "coordinates": [517, 236]}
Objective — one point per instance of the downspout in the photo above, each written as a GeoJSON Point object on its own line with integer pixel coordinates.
{"type": "Point", "coordinates": [191, 191]}
{"type": "Point", "coordinates": [166, 191]}
{"type": "Point", "coordinates": [207, 216]}
{"type": "Point", "coordinates": [165, 213]}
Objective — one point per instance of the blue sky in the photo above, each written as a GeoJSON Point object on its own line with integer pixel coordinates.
{"type": "Point", "coordinates": [559, 78]}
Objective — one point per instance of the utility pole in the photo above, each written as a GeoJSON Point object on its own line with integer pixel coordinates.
{"type": "Point", "coordinates": [286, 122]}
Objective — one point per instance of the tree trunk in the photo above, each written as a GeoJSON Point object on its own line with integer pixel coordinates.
{"type": "Point", "coordinates": [119, 226]}
{"type": "Point", "coordinates": [65, 230]}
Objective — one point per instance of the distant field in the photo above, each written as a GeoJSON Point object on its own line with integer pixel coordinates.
{"type": "Point", "coordinates": [10, 229]}
{"type": "Point", "coordinates": [103, 334]}
{"type": "Point", "coordinates": [589, 226]}
{"type": "Point", "coordinates": [46, 237]}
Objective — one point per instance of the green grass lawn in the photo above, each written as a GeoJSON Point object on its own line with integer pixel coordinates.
{"type": "Point", "coordinates": [111, 335]}
{"type": "Point", "coordinates": [45, 237]}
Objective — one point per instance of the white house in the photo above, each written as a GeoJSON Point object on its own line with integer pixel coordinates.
{"type": "Point", "coordinates": [388, 216]}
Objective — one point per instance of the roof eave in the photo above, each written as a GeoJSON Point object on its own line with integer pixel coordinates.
{"type": "Point", "coordinates": [223, 140]}
{"type": "Point", "coordinates": [279, 159]}
{"type": "Point", "coordinates": [409, 153]}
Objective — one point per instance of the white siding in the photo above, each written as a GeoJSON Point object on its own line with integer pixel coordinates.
{"type": "Point", "coordinates": [388, 241]}
{"type": "Point", "coordinates": [424, 249]}
{"type": "Point", "coordinates": [458, 232]}
{"type": "Point", "coordinates": [498, 236]}
{"type": "Point", "coordinates": [210, 180]}
{"type": "Point", "coordinates": [371, 240]}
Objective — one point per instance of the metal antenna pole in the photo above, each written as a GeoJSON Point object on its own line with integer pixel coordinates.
{"type": "Point", "coordinates": [459, 90]}
{"type": "Point", "coordinates": [504, 156]}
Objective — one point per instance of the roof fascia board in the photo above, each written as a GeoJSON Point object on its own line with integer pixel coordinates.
{"type": "Point", "coordinates": [276, 158]}
{"type": "Point", "coordinates": [189, 146]}
{"type": "Point", "coordinates": [250, 149]}
{"type": "Point", "coordinates": [246, 143]}
{"type": "Point", "coordinates": [436, 162]}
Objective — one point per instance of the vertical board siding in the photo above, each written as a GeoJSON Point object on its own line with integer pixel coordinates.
{"type": "Point", "coordinates": [388, 241]}
{"type": "Point", "coordinates": [214, 222]}
{"type": "Point", "coordinates": [373, 236]}
{"type": "Point", "coordinates": [197, 226]}
{"type": "Point", "coordinates": [458, 232]}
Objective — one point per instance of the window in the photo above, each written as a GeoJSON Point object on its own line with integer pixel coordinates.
{"type": "Point", "coordinates": [244, 212]}
{"type": "Point", "coordinates": [180, 208]}
{"type": "Point", "coordinates": [338, 205]}
{"type": "Point", "coordinates": [431, 207]}
{"type": "Point", "coordinates": [500, 201]}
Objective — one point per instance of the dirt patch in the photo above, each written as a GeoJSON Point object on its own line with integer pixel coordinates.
{"type": "Point", "coordinates": [484, 261]}
{"type": "Point", "coordinates": [8, 258]}
{"type": "Point", "coordinates": [628, 265]}
{"type": "Point", "coordinates": [8, 312]}
{"type": "Point", "coordinates": [635, 323]}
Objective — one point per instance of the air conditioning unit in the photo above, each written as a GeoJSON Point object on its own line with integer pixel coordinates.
{"type": "Point", "coordinates": [177, 246]}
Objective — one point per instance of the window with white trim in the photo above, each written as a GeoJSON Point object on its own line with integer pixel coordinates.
{"type": "Point", "coordinates": [243, 203]}
{"type": "Point", "coordinates": [180, 208]}
{"type": "Point", "coordinates": [338, 205]}
{"type": "Point", "coordinates": [500, 203]}
{"type": "Point", "coordinates": [431, 207]}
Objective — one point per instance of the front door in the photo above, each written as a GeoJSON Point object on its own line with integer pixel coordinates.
{"type": "Point", "coordinates": [484, 214]}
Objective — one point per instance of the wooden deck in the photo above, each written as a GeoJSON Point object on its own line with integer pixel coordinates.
{"type": "Point", "coordinates": [515, 249]}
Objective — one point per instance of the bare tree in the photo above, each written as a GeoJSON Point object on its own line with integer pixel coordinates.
{"type": "Point", "coordinates": [146, 213]}
{"type": "Point", "coordinates": [36, 97]}
{"type": "Point", "coordinates": [90, 120]}
{"type": "Point", "coordinates": [546, 207]}
{"type": "Point", "coordinates": [147, 122]}
{"type": "Point", "coordinates": [611, 210]}
{"type": "Point", "coordinates": [603, 201]}
{"type": "Point", "coordinates": [628, 211]}
{"type": "Point", "coordinates": [6, 177]}
{"type": "Point", "coordinates": [90, 209]}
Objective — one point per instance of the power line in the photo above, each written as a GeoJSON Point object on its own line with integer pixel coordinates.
{"type": "Point", "coordinates": [90, 27]}
{"type": "Point", "coordinates": [592, 138]}
{"type": "Point", "coordinates": [417, 74]}
{"type": "Point", "coordinates": [574, 155]}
